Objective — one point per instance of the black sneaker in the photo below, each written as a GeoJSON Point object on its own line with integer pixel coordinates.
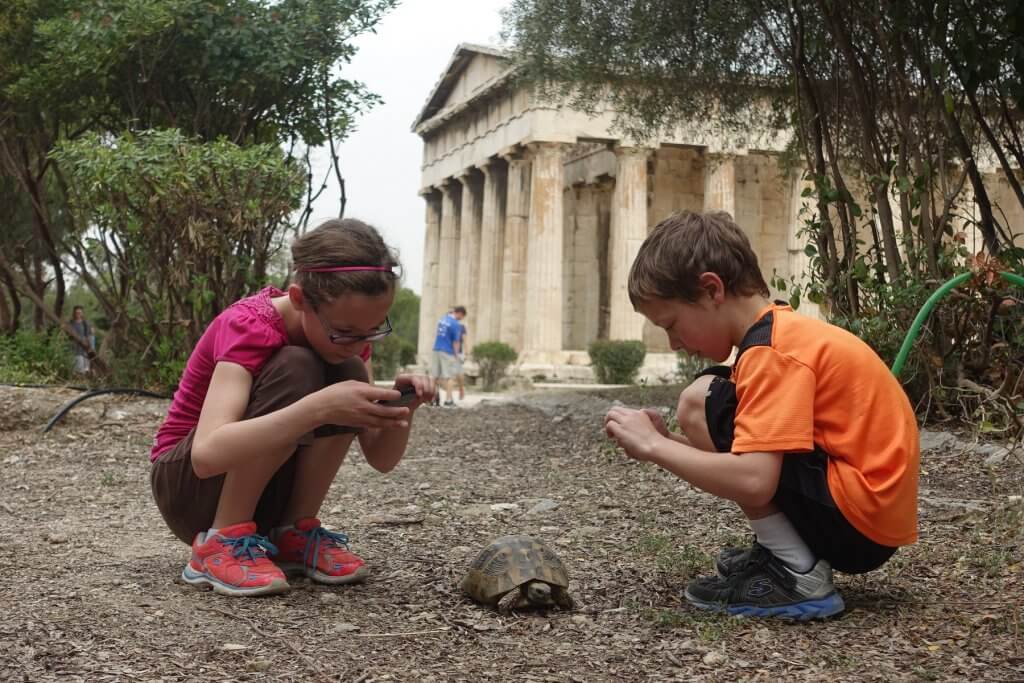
{"type": "Point", "coordinates": [449, 404]}
{"type": "Point", "coordinates": [765, 587]}
{"type": "Point", "coordinates": [732, 560]}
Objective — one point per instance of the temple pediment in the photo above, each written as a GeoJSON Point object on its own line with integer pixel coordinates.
{"type": "Point", "coordinates": [472, 70]}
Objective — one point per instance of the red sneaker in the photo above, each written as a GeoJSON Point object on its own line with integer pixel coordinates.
{"type": "Point", "coordinates": [322, 555]}
{"type": "Point", "coordinates": [234, 562]}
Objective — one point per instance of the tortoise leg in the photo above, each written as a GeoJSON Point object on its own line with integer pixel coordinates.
{"type": "Point", "coordinates": [562, 598]}
{"type": "Point", "coordinates": [508, 601]}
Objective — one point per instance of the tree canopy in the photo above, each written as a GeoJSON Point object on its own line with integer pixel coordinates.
{"type": "Point", "coordinates": [140, 134]}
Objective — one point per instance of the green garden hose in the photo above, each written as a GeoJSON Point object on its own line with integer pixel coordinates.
{"type": "Point", "coordinates": [922, 315]}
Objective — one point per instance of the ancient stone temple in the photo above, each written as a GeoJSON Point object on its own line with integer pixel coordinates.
{"type": "Point", "coordinates": [534, 212]}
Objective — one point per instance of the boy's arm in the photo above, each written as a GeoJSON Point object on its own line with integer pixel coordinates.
{"type": "Point", "coordinates": [750, 479]}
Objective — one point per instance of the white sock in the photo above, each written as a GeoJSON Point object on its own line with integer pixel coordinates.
{"type": "Point", "coordinates": [776, 533]}
{"type": "Point", "coordinates": [210, 534]}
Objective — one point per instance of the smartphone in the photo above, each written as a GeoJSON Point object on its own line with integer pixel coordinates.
{"type": "Point", "coordinates": [407, 397]}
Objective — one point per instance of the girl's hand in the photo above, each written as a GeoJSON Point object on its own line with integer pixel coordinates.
{"type": "Point", "coordinates": [424, 386]}
{"type": "Point", "coordinates": [633, 430]}
{"type": "Point", "coordinates": [354, 404]}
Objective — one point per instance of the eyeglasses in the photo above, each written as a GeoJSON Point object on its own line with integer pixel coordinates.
{"type": "Point", "coordinates": [343, 339]}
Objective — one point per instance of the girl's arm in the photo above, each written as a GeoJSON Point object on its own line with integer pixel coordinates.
{"type": "Point", "coordinates": [384, 448]}
{"type": "Point", "coordinates": [224, 441]}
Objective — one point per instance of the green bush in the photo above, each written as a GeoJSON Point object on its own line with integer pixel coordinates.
{"type": "Point", "coordinates": [493, 357]}
{"type": "Point", "coordinates": [35, 357]}
{"type": "Point", "coordinates": [389, 354]}
{"type": "Point", "coordinates": [616, 362]}
{"type": "Point", "coordinates": [688, 366]}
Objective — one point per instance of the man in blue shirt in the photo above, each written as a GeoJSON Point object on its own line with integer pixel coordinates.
{"type": "Point", "coordinates": [447, 344]}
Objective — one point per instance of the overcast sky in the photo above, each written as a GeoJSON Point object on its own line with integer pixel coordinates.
{"type": "Point", "coordinates": [381, 160]}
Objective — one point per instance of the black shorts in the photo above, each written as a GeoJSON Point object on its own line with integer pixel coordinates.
{"type": "Point", "coordinates": [803, 494]}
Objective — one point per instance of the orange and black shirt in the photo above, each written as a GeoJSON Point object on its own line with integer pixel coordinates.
{"type": "Point", "coordinates": [802, 383]}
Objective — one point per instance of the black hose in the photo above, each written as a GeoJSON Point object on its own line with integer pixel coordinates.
{"type": "Point", "coordinates": [96, 392]}
{"type": "Point", "coordinates": [23, 385]}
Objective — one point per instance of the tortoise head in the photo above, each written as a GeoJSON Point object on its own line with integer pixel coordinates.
{"type": "Point", "coordinates": [538, 594]}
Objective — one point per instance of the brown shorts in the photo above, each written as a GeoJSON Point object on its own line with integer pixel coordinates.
{"type": "Point", "coordinates": [188, 503]}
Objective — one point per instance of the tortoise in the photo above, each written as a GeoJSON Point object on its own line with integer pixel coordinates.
{"type": "Point", "coordinates": [518, 572]}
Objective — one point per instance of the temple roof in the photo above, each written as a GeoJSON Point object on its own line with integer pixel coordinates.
{"type": "Point", "coordinates": [444, 95]}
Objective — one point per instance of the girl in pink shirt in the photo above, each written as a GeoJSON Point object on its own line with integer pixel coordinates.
{"type": "Point", "coordinates": [270, 401]}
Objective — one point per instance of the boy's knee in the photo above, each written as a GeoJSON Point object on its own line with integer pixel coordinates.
{"type": "Point", "coordinates": [690, 412]}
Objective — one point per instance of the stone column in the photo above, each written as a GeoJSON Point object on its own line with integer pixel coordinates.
{"type": "Point", "coordinates": [628, 231]}
{"type": "Point", "coordinates": [543, 320]}
{"type": "Point", "coordinates": [448, 254]}
{"type": "Point", "coordinates": [517, 220]}
{"type": "Point", "coordinates": [431, 251]}
{"type": "Point", "coordinates": [467, 283]}
{"type": "Point", "coordinates": [492, 242]}
{"type": "Point", "coordinates": [733, 186]}
{"type": "Point", "coordinates": [720, 184]}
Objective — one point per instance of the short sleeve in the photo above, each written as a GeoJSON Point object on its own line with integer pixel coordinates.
{"type": "Point", "coordinates": [245, 339]}
{"type": "Point", "coordinates": [775, 403]}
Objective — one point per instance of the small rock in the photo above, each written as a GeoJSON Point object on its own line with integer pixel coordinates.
{"type": "Point", "coordinates": [55, 538]}
{"type": "Point", "coordinates": [232, 647]}
{"type": "Point", "coordinates": [257, 665]}
{"type": "Point", "coordinates": [504, 507]}
{"type": "Point", "coordinates": [998, 456]}
{"type": "Point", "coordinates": [579, 619]}
{"type": "Point", "coordinates": [931, 440]}
{"type": "Point", "coordinates": [345, 627]}
{"type": "Point", "coordinates": [713, 658]}
{"type": "Point", "coordinates": [336, 510]}
{"type": "Point", "coordinates": [478, 510]}
{"type": "Point", "coordinates": [544, 505]}
{"type": "Point", "coordinates": [423, 486]}
{"type": "Point", "coordinates": [329, 598]}
{"type": "Point", "coordinates": [12, 460]}
{"type": "Point", "coordinates": [1014, 500]}
{"type": "Point", "coordinates": [559, 418]}
{"type": "Point", "coordinates": [461, 550]}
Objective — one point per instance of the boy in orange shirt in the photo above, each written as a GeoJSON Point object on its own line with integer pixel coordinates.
{"type": "Point", "coordinates": [808, 431]}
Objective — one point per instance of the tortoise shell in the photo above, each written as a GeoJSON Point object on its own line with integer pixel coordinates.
{"type": "Point", "coordinates": [509, 562]}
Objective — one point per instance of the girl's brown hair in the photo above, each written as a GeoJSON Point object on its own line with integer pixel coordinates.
{"type": "Point", "coordinates": [338, 243]}
{"type": "Point", "coordinates": [686, 244]}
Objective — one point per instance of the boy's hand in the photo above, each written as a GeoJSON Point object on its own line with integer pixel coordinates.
{"type": "Point", "coordinates": [658, 421]}
{"type": "Point", "coordinates": [424, 386]}
{"type": "Point", "coordinates": [634, 431]}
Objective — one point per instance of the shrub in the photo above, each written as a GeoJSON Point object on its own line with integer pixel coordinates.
{"type": "Point", "coordinates": [616, 362]}
{"type": "Point", "coordinates": [389, 354]}
{"type": "Point", "coordinates": [688, 366]}
{"type": "Point", "coordinates": [493, 357]}
{"type": "Point", "coordinates": [35, 357]}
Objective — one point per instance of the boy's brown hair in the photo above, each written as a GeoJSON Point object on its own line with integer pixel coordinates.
{"type": "Point", "coordinates": [686, 244]}
{"type": "Point", "coordinates": [343, 242]}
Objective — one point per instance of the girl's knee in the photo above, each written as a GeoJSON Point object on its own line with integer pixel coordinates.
{"type": "Point", "coordinates": [294, 370]}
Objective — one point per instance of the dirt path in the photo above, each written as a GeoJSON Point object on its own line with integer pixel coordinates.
{"type": "Point", "coordinates": [90, 592]}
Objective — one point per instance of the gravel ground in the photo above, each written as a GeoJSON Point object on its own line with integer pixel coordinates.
{"type": "Point", "coordinates": [90, 589]}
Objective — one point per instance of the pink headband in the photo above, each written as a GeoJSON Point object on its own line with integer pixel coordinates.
{"type": "Point", "coordinates": [346, 269]}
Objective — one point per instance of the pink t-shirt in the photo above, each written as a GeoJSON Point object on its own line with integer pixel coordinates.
{"type": "Point", "coordinates": [248, 333]}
